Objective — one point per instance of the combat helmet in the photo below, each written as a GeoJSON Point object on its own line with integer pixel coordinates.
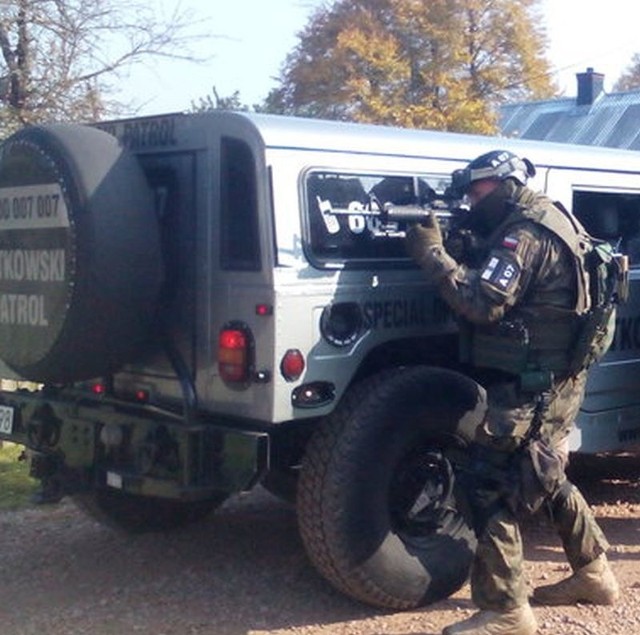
{"type": "Point", "coordinates": [497, 164]}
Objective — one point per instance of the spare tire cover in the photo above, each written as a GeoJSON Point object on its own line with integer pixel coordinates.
{"type": "Point", "coordinates": [80, 256]}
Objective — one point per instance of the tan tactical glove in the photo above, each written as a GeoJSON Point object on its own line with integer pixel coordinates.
{"type": "Point", "coordinates": [424, 244]}
{"type": "Point", "coordinates": [421, 239]}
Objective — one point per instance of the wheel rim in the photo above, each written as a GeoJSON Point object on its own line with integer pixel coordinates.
{"type": "Point", "coordinates": [420, 494]}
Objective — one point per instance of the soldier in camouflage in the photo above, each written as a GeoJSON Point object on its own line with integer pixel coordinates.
{"type": "Point", "coordinates": [531, 275]}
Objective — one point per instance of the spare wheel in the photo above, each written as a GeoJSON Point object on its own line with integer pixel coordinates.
{"type": "Point", "coordinates": [80, 257]}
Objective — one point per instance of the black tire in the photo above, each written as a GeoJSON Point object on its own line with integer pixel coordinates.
{"type": "Point", "coordinates": [141, 514]}
{"type": "Point", "coordinates": [81, 258]}
{"type": "Point", "coordinates": [362, 474]}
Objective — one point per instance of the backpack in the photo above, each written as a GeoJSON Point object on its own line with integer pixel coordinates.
{"type": "Point", "coordinates": [603, 283]}
{"type": "Point", "coordinates": [608, 273]}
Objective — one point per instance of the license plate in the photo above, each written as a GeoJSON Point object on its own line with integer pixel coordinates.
{"type": "Point", "coordinates": [6, 420]}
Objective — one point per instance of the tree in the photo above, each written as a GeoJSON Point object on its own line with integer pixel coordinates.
{"type": "Point", "coordinates": [630, 79]}
{"type": "Point", "coordinates": [444, 64]}
{"type": "Point", "coordinates": [57, 56]}
{"type": "Point", "coordinates": [215, 102]}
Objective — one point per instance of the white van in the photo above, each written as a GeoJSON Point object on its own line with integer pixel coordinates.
{"type": "Point", "coordinates": [211, 301]}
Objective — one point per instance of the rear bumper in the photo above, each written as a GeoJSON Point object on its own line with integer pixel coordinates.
{"type": "Point", "coordinates": [87, 443]}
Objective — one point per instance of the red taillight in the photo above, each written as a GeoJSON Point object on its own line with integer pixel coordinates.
{"type": "Point", "coordinates": [292, 364]}
{"type": "Point", "coordinates": [142, 395]}
{"type": "Point", "coordinates": [264, 310]}
{"type": "Point", "coordinates": [233, 355]}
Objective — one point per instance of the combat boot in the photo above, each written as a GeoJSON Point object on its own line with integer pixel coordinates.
{"type": "Point", "coordinates": [593, 583]}
{"type": "Point", "coordinates": [518, 621]}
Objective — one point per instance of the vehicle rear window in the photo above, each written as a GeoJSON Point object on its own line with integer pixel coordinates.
{"type": "Point", "coordinates": [240, 245]}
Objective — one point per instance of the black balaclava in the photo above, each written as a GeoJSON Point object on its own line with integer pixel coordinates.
{"type": "Point", "coordinates": [491, 210]}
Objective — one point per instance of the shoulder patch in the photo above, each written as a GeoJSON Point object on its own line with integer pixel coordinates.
{"type": "Point", "coordinates": [501, 273]}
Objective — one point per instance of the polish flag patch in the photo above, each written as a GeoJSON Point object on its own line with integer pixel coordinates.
{"type": "Point", "coordinates": [510, 242]}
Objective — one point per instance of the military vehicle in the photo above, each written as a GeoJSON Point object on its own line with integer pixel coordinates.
{"type": "Point", "coordinates": [200, 303]}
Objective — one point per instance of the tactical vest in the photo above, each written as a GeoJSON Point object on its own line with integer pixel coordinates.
{"type": "Point", "coordinates": [571, 340]}
{"type": "Point", "coordinates": [569, 230]}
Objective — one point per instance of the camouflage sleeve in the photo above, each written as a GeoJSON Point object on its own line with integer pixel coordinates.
{"type": "Point", "coordinates": [485, 294]}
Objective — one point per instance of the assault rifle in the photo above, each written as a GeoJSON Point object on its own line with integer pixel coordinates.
{"type": "Point", "coordinates": [450, 214]}
{"type": "Point", "coordinates": [459, 240]}
{"type": "Point", "coordinates": [389, 220]}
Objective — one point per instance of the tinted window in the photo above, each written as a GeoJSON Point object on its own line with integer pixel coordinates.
{"type": "Point", "coordinates": [612, 217]}
{"type": "Point", "coordinates": [344, 221]}
{"type": "Point", "coordinates": [240, 246]}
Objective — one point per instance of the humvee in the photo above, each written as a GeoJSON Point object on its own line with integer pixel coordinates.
{"type": "Point", "coordinates": [200, 303]}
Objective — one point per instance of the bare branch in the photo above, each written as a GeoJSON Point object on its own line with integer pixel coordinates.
{"type": "Point", "coordinates": [57, 55]}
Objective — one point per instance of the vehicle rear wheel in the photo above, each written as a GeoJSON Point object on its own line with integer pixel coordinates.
{"type": "Point", "coordinates": [378, 509]}
{"type": "Point", "coordinates": [140, 514]}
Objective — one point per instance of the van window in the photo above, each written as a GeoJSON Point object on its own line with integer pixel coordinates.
{"type": "Point", "coordinates": [240, 246]}
{"type": "Point", "coordinates": [343, 222]}
{"type": "Point", "coordinates": [612, 217]}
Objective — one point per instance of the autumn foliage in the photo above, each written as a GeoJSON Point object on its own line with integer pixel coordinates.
{"type": "Point", "coordinates": [443, 64]}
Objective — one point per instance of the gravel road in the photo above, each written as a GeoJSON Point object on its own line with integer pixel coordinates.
{"type": "Point", "coordinates": [243, 572]}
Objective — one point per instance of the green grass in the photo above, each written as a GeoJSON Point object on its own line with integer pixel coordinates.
{"type": "Point", "coordinates": [16, 486]}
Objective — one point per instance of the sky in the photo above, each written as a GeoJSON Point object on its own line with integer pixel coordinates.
{"type": "Point", "coordinates": [249, 40]}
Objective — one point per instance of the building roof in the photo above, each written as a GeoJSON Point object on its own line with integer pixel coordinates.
{"type": "Point", "coordinates": [592, 118]}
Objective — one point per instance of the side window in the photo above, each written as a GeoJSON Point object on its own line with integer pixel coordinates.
{"type": "Point", "coordinates": [344, 223]}
{"type": "Point", "coordinates": [240, 245]}
{"type": "Point", "coordinates": [612, 217]}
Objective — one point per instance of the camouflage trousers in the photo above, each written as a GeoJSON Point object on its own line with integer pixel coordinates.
{"type": "Point", "coordinates": [497, 581]}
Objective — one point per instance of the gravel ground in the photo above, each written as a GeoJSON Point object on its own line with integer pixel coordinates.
{"type": "Point", "coordinates": [243, 572]}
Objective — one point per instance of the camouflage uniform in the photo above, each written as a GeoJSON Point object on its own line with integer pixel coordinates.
{"type": "Point", "coordinates": [528, 276]}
